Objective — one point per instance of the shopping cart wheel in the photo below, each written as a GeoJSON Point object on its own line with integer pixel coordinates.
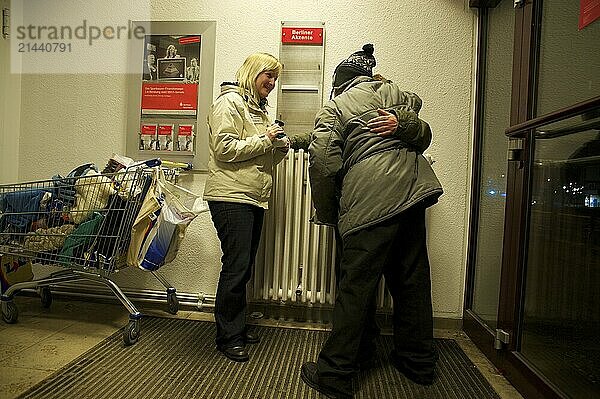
{"type": "Point", "coordinates": [10, 313]}
{"type": "Point", "coordinates": [46, 297]}
{"type": "Point", "coordinates": [131, 332]}
{"type": "Point", "coordinates": [172, 302]}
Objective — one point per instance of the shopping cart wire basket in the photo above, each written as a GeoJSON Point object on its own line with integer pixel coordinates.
{"type": "Point", "coordinates": [81, 223]}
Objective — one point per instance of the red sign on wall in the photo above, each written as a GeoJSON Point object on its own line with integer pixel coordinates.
{"type": "Point", "coordinates": [589, 11]}
{"type": "Point", "coordinates": [302, 36]}
{"type": "Point", "coordinates": [170, 98]}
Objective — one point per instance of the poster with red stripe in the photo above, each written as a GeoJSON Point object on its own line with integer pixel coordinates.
{"type": "Point", "coordinates": [170, 98]}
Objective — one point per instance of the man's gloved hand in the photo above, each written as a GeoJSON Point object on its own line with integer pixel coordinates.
{"type": "Point", "coordinates": [282, 144]}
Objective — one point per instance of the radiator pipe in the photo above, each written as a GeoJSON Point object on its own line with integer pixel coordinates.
{"type": "Point", "coordinates": [201, 301]}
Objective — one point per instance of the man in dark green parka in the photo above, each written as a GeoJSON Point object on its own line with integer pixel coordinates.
{"type": "Point", "coordinates": [375, 189]}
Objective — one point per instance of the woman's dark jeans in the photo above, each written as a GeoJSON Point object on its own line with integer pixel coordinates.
{"type": "Point", "coordinates": [238, 227]}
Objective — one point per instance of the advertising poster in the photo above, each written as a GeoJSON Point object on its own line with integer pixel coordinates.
{"type": "Point", "coordinates": [170, 74]}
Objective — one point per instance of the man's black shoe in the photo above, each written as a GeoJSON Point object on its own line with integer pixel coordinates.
{"type": "Point", "coordinates": [235, 353]}
{"type": "Point", "coordinates": [422, 378]}
{"type": "Point", "coordinates": [251, 338]}
{"type": "Point", "coordinates": [308, 373]}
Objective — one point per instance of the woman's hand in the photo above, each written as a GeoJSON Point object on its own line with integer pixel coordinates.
{"type": "Point", "coordinates": [383, 125]}
{"type": "Point", "coordinates": [273, 131]}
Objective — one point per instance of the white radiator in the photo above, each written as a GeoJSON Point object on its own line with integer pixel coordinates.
{"type": "Point", "coordinates": [296, 259]}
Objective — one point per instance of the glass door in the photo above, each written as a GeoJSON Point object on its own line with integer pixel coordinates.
{"type": "Point", "coordinates": [561, 312]}
{"type": "Point", "coordinates": [540, 270]}
{"type": "Point", "coordinates": [489, 179]}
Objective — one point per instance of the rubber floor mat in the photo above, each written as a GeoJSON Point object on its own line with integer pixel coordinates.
{"type": "Point", "coordinates": [177, 358]}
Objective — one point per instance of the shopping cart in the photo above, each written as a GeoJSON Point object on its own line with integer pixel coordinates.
{"type": "Point", "coordinates": [82, 223]}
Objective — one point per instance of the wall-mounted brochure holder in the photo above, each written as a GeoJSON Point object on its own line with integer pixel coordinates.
{"type": "Point", "coordinates": [170, 97]}
{"type": "Point", "coordinates": [300, 93]}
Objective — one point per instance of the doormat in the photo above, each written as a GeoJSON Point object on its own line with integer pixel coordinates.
{"type": "Point", "coordinates": [177, 358]}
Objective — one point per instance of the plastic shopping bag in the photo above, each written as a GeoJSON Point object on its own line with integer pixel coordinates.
{"type": "Point", "coordinates": [179, 208]}
{"type": "Point", "coordinates": [145, 224]}
{"type": "Point", "coordinates": [192, 202]}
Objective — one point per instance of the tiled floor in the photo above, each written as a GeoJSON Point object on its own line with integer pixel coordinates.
{"type": "Point", "coordinates": [43, 340]}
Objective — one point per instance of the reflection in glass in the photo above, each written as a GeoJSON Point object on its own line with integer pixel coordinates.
{"type": "Point", "coordinates": [569, 61]}
{"type": "Point", "coordinates": [562, 297]}
{"type": "Point", "coordinates": [492, 184]}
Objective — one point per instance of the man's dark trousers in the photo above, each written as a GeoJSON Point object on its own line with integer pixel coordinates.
{"type": "Point", "coordinates": [397, 249]}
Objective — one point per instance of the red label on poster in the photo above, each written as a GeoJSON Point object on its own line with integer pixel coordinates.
{"type": "Point", "coordinates": [170, 97]}
{"type": "Point", "coordinates": [189, 39]}
{"type": "Point", "coordinates": [589, 11]}
{"type": "Point", "coordinates": [185, 130]}
{"type": "Point", "coordinates": [302, 36]}
{"type": "Point", "coordinates": [148, 129]}
{"type": "Point", "coordinates": [165, 130]}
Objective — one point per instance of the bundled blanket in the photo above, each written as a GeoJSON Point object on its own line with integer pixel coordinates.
{"type": "Point", "coordinates": [92, 194]}
{"type": "Point", "coordinates": [48, 239]}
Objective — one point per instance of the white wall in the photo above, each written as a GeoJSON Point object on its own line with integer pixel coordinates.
{"type": "Point", "coordinates": [426, 46]}
{"type": "Point", "coordinates": [10, 104]}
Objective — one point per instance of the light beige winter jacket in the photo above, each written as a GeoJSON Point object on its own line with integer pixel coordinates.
{"type": "Point", "coordinates": [241, 156]}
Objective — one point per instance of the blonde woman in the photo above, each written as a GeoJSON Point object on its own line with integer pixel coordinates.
{"type": "Point", "coordinates": [243, 149]}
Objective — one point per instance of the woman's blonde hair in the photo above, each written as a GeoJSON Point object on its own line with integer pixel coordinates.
{"type": "Point", "coordinates": [254, 65]}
